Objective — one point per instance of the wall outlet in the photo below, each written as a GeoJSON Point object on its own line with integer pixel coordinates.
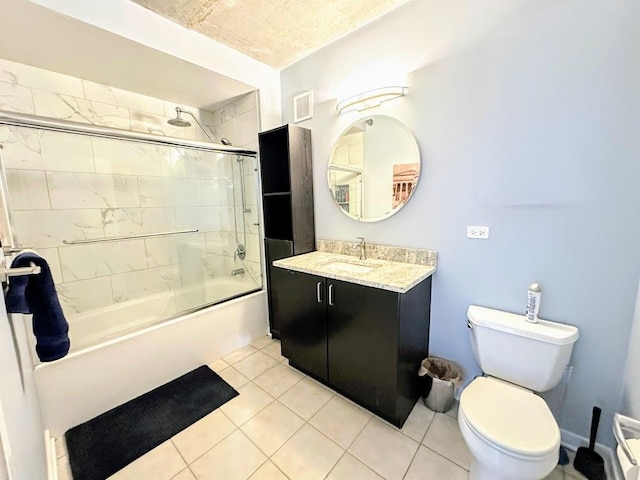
{"type": "Point", "coordinates": [478, 232]}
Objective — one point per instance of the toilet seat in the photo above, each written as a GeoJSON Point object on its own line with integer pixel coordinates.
{"type": "Point", "coordinates": [513, 420]}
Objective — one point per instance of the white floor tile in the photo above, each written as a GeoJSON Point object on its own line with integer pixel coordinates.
{"type": "Point", "coordinates": [64, 469]}
{"type": "Point", "coordinates": [263, 342]}
{"type": "Point", "coordinates": [418, 421]}
{"type": "Point", "coordinates": [275, 351]}
{"type": "Point", "coordinates": [569, 469]}
{"type": "Point", "coordinates": [196, 439]}
{"type": "Point", "coordinates": [272, 427]}
{"type": "Point", "coordinates": [384, 449]}
{"type": "Point", "coordinates": [233, 377]}
{"type": "Point", "coordinates": [268, 471]}
{"type": "Point", "coordinates": [184, 475]}
{"type": "Point", "coordinates": [235, 441]}
{"type": "Point", "coordinates": [444, 437]}
{"type": "Point", "coordinates": [239, 354]}
{"type": "Point", "coordinates": [350, 468]}
{"type": "Point", "coordinates": [278, 379]}
{"type": "Point", "coordinates": [161, 463]}
{"type": "Point", "coordinates": [308, 455]}
{"type": "Point", "coordinates": [453, 411]}
{"type": "Point", "coordinates": [557, 474]}
{"type": "Point", "coordinates": [235, 458]}
{"type": "Point", "coordinates": [306, 397]}
{"type": "Point", "coordinates": [340, 420]}
{"type": "Point", "coordinates": [255, 364]}
{"type": "Point", "coordinates": [218, 365]}
{"type": "Point", "coordinates": [428, 464]}
{"type": "Point", "coordinates": [252, 399]}
{"type": "Point", "coordinates": [61, 447]}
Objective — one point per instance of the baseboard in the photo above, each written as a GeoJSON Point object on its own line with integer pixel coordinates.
{"type": "Point", "coordinates": [571, 441]}
{"type": "Point", "coordinates": [52, 456]}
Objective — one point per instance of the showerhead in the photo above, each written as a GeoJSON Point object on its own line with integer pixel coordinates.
{"type": "Point", "coordinates": [179, 121]}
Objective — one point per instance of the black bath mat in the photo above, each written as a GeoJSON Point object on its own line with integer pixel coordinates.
{"type": "Point", "coordinates": [102, 446]}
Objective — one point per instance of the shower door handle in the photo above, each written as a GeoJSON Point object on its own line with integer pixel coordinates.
{"type": "Point", "coordinates": [319, 292]}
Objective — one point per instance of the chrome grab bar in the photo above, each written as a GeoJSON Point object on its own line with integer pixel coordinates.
{"type": "Point", "coordinates": [128, 237]}
{"type": "Point", "coordinates": [18, 272]}
{"type": "Point", "coordinates": [631, 424]}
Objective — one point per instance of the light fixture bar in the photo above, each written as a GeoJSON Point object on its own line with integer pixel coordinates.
{"type": "Point", "coordinates": [370, 99]}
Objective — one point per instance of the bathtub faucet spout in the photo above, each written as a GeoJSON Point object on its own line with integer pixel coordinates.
{"type": "Point", "coordinates": [237, 271]}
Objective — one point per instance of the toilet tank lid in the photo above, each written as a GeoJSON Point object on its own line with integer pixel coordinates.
{"type": "Point", "coordinates": [550, 332]}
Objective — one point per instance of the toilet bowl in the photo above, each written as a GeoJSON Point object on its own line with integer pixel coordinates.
{"type": "Point", "coordinates": [510, 430]}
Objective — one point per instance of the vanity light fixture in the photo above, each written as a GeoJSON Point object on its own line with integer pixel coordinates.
{"type": "Point", "coordinates": [370, 99]}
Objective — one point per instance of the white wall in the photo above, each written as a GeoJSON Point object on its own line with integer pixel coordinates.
{"type": "Point", "coordinates": [134, 22]}
{"type": "Point", "coordinates": [526, 114]}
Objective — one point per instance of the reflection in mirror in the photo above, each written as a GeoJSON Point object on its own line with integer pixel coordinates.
{"type": "Point", "coordinates": [374, 168]}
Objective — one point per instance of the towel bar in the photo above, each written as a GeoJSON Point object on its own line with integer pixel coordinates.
{"type": "Point", "coordinates": [9, 250]}
{"type": "Point", "coordinates": [128, 237]}
{"type": "Point", "coordinates": [18, 272]}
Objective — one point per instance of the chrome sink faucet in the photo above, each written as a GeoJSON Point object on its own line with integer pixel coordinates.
{"type": "Point", "coordinates": [363, 248]}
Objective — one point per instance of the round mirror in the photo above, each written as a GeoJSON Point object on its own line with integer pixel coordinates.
{"type": "Point", "coordinates": [374, 168]}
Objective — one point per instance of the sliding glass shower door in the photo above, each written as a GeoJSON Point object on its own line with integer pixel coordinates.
{"type": "Point", "coordinates": [134, 232]}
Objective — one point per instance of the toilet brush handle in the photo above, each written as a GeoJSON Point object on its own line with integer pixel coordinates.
{"type": "Point", "coordinates": [595, 421]}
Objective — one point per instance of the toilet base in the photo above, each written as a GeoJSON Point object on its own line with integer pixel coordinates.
{"type": "Point", "coordinates": [477, 471]}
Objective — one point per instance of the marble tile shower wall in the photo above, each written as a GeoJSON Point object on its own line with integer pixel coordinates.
{"type": "Point", "coordinates": [72, 187]}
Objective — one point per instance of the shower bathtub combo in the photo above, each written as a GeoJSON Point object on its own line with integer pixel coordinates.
{"type": "Point", "coordinates": [154, 249]}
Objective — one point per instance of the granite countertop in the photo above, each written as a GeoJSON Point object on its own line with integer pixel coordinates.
{"type": "Point", "coordinates": [385, 274]}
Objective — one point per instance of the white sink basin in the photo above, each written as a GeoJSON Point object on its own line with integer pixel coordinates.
{"type": "Point", "coordinates": [349, 267]}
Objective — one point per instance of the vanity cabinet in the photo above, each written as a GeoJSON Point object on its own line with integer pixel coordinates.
{"type": "Point", "coordinates": [287, 198]}
{"type": "Point", "coordinates": [302, 319]}
{"type": "Point", "coordinates": [366, 343]}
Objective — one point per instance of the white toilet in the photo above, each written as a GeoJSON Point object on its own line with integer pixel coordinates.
{"type": "Point", "coordinates": [508, 428]}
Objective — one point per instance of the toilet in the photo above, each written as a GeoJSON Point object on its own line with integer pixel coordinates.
{"type": "Point", "coordinates": [510, 430]}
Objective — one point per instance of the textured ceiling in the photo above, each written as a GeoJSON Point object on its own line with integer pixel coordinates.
{"type": "Point", "coordinates": [276, 32]}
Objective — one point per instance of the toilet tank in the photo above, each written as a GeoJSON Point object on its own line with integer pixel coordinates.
{"type": "Point", "coordinates": [506, 346]}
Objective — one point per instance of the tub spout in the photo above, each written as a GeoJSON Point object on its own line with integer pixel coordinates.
{"type": "Point", "coordinates": [237, 271]}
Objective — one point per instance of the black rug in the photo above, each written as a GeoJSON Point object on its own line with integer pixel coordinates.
{"type": "Point", "coordinates": [111, 441]}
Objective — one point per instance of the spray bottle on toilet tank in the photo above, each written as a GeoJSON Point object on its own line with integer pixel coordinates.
{"type": "Point", "coordinates": [533, 303]}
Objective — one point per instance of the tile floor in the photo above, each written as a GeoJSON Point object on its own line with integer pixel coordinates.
{"type": "Point", "coordinates": [284, 425]}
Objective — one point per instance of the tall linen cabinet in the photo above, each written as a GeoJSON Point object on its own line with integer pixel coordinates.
{"type": "Point", "coordinates": [287, 198]}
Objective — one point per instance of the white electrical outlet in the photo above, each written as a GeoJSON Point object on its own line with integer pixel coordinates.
{"type": "Point", "coordinates": [478, 232]}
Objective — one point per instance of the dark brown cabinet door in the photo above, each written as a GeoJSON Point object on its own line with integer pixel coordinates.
{"type": "Point", "coordinates": [363, 344]}
{"type": "Point", "coordinates": [299, 304]}
{"type": "Point", "coordinates": [275, 250]}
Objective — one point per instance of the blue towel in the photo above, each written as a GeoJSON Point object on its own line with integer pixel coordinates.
{"type": "Point", "coordinates": [37, 294]}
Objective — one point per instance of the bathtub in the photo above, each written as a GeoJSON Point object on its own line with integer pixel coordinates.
{"type": "Point", "coordinates": [94, 327]}
{"type": "Point", "coordinates": [92, 380]}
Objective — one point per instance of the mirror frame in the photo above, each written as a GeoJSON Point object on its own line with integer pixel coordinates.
{"type": "Point", "coordinates": [415, 147]}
